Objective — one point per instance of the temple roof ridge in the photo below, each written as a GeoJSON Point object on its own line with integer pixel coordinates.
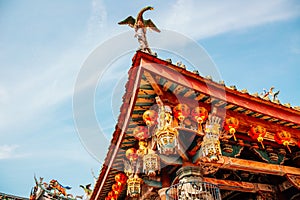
{"type": "Point", "coordinates": [264, 96]}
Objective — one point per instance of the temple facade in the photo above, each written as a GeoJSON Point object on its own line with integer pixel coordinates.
{"type": "Point", "coordinates": [183, 136]}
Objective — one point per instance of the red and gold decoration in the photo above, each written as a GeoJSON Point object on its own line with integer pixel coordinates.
{"type": "Point", "coordinates": [112, 195]}
{"type": "Point", "coordinates": [283, 137]}
{"type": "Point", "coordinates": [150, 117]}
{"type": "Point", "coordinates": [117, 187]}
{"type": "Point", "coordinates": [210, 147]}
{"type": "Point", "coordinates": [181, 111]}
{"type": "Point", "coordinates": [151, 164]}
{"type": "Point", "coordinates": [121, 178]}
{"type": "Point", "coordinates": [258, 133]}
{"type": "Point", "coordinates": [231, 125]}
{"type": "Point", "coordinates": [131, 155]}
{"type": "Point", "coordinates": [167, 141]}
{"type": "Point", "coordinates": [199, 115]}
{"type": "Point", "coordinates": [134, 186]}
{"type": "Point", "coordinates": [141, 133]}
{"type": "Point", "coordinates": [165, 134]}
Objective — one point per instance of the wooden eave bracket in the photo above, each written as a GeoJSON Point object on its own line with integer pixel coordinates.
{"type": "Point", "coordinates": [294, 179]}
{"type": "Point", "coordinates": [256, 167]}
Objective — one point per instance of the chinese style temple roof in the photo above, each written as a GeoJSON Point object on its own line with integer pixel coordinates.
{"type": "Point", "coordinates": [150, 76]}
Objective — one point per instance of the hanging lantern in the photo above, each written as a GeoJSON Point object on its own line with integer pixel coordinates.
{"type": "Point", "coordinates": [112, 195]}
{"type": "Point", "coordinates": [150, 117]}
{"type": "Point", "coordinates": [117, 193]}
{"type": "Point", "coordinates": [283, 137]}
{"type": "Point", "coordinates": [121, 178]}
{"type": "Point", "coordinates": [117, 187]}
{"type": "Point", "coordinates": [199, 115]}
{"type": "Point", "coordinates": [134, 186]}
{"type": "Point", "coordinates": [231, 124]}
{"type": "Point", "coordinates": [151, 163]}
{"type": "Point", "coordinates": [258, 133]}
{"type": "Point", "coordinates": [131, 155]}
{"type": "Point", "coordinates": [167, 140]}
{"type": "Point", "coordinates": [141, 133]}
{"type": "Point", "coordinates": [210, 146]}
{"type": "Point", "coordinates": [181, 111]}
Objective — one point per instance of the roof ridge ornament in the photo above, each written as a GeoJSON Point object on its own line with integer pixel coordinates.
{"type": "Point", "coordinates": [266, 95]}
{"type": "Point", "coordinates": [140, 26]}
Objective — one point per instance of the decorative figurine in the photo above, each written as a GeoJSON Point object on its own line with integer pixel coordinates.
{"type": "Point", "coordinates": [140, 26]}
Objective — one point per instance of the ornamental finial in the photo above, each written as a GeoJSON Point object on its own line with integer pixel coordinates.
{"type": "Point", "coordinates": [140, 26]}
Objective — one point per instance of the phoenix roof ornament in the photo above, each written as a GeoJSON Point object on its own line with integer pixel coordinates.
{"type": "Point", "coordinates": [140, 26]}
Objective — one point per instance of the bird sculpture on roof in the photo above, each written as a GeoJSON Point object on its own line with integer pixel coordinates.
{"type": "Point", "coordinates": [140, 26]}
{"type": "Point", "coordinates": [87, 189]}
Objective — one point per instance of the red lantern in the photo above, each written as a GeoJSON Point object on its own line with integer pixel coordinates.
{"type": "Point", "coordinates": [150, 117]}
{"type": "Point", "coordinates": [181, 111]}
{"type": "Point", "coordinates": [199, 114]}
{"type": "Point", "coordinates": [116, 192]}
{"type": "Point", "coordinates": [121, 178]}
{"type": "Point", "coordinates": [231, 124]}
{"type": "Point", "coordinates": [131, 154]}
{"type": "Point", "coordinates": [258, 133]}
{"type": "Point", "coordinates": [112, 195]}
{"type": "Point", "coordinates": [117, 187]}
{"type": "Point", "coordinates": [284, 138]}
{"type": "Point", "coordinates": [141, 133]}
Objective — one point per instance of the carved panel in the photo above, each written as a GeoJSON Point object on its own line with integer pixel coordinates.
{"type": "Point", "coordinates": [295, 180]}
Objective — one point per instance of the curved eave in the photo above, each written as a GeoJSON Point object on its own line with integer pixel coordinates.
{"type": "Point", "coordinates": [211, 88]}
{"type": "Point", "coordinates": [118, 134]}
{"type": "Point", "coordinates": [234, 101]}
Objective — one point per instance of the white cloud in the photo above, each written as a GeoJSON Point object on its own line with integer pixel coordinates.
{"type": "Point", "coordinates": [34, 90]}
{"type": "Point", "coordinates": [201, 19]}
{"type": "Point", "coordinates": [8, 151]}
{"type": "Point", "coordinates": [96, 22]}
{"type": "Point", "coordinates": [29, 95]}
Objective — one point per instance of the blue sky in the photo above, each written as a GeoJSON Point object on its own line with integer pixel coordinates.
{"type": "Point", "coordinates": [43, 45]}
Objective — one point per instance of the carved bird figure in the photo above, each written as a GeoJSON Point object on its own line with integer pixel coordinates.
{"type": "Point", "coordinates": [139, 22]}
{"type": "Point", "coordinates": [140, 26]}
{"type": "Point", "coordinates": [87, 189]}
{"type": "Point", "coordinates": [275, 95]}
{"type": "Point", "coordinates": [270, 92]}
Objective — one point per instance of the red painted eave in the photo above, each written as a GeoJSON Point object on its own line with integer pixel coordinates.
{"type": "Point", "coordinates": [216, 90]}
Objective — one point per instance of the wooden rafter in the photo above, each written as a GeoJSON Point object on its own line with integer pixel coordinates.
{"type": "Point", "coordinates": [156, 87]}
{"type": "Point", "coordinates": [254, 166]}
{"type": "Point", "coordinates": [225, 94]}
{"type": "Point", "coordinates": [240, 185]}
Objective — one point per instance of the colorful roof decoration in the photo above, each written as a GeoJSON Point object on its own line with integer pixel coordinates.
{"type": "Point", "coordinates": [4, 196]}
{"type": "Point", "coordinates": [252, 148]}
{"type": "Point", "coordinates": [55, 190]}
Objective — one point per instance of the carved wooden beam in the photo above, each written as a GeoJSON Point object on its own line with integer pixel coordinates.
{"type": "Point", "coordinates": [227, 185]}
{"type": "Point", "coordinates": [295, 180]}
{"type": "Point", "coordinates": [153, 83]}
{"type": "Point", "coordinates": [240, 185]}
{"type": "Point", "coordinates": [187, 79]}
{"type": "Point", "coordinates": [254, 166]}
{"type": "Point", "coordinates": [285, 185]}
